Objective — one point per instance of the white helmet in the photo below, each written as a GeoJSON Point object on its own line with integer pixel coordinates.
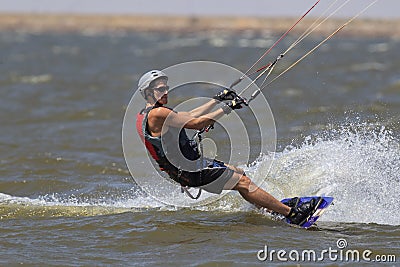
{"type": "Point", "coordinates": [147, 78]}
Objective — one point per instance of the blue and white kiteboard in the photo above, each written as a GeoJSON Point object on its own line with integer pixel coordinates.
{"type": "Point", "coordinates": [323, 203]}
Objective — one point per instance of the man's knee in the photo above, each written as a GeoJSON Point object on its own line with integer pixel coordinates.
{"type": "Point", "coordinates": [244, 183]}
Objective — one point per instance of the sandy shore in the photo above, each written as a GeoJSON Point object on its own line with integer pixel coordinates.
{"type": "Point", "coordinates": [62, 23]}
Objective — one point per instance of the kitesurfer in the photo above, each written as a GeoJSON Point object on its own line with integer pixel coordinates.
{"type": "Point", "coordinates": [162, 129]}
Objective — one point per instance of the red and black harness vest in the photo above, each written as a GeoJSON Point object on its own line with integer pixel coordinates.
{"type": "Point", "coordinates": [162, 149]}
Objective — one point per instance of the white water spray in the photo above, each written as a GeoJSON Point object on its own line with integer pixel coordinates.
{"type": "Point", "coordinates": [357, 165]}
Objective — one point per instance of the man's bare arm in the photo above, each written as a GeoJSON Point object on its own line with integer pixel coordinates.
{"type": "Point", "coordinates": [202, 110]}
{"type": "Point", "coordinates": [163, 117]}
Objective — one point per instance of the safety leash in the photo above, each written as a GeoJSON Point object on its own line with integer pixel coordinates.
{"type": "Point", "coordinates": [185, 189]}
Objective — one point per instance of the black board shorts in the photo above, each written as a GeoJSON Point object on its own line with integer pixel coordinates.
{"type": "Point", "coordinates": [213, 178]}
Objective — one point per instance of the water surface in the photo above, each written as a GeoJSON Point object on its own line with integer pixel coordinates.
{"type": "Point", "coordinates": [67, 198]}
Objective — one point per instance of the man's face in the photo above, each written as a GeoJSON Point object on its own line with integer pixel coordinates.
{"type": "Point", "coordinates": [160, 90]}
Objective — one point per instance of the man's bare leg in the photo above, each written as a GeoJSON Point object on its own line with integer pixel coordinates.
{"type": "Point", "coordinates": [257, 196]}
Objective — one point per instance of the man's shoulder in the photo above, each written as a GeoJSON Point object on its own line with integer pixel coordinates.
{"type": "Point", "coordinates": [161, 111]}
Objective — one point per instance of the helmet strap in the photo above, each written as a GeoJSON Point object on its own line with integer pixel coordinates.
{"type": "Point", "coordinates": [156, 103]}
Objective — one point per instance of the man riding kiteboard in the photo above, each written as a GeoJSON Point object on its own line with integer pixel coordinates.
{"type": "Point", "coordinates": [163, 132]}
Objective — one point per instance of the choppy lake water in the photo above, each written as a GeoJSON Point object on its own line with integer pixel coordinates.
{"type": "Point", "coordinates": [67, 198]}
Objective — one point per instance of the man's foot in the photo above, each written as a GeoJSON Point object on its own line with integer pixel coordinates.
{"type": "Point", "coordinates": [298, 215]}
{"type": "Point", "coordinates": [293, 202]}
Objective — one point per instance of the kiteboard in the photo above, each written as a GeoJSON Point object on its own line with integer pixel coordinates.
{"type": "Point", "coordinates": [322, 204]}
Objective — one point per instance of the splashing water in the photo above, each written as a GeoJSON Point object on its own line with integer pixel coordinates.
{"type": "Point", "coordinates": [359, 165]}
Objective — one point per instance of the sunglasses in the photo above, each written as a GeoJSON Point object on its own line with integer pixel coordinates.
{"type": "Point", "coordinates": [162, 89]}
